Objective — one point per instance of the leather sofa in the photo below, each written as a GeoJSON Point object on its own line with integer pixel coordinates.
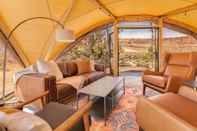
{"type": "Point", "coordinates": [168, 111]}
{"type": "Point", "coordinates": [63, 90]}
{"type": "Point", "coordinates": [178, 68]}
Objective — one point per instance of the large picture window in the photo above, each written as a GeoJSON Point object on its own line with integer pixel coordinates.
{"type": "Point", "coordinates": [95, 46]}
{"type": "Point", "coordinates": [13, 65]}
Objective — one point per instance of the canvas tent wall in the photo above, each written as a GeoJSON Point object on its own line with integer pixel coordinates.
{"type": "Point", "coordinates": [35, 39]}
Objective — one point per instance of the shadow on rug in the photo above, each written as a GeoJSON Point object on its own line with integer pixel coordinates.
{"type": "Point", "coordinates": [122, 117]}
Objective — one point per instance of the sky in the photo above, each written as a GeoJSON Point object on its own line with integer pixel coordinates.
{"type": "Point", "coordinates": [145, 33]}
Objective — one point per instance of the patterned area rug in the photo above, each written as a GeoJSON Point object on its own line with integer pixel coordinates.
{"type": "Point", "coordinates": [123, 116]}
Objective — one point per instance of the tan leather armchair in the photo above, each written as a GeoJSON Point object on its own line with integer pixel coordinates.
{"type": "Point", "coordinates": [178, 68]}
{"type": "Point", "coordinates": [168, 112]}
{"type": "Point", "coordinates": [66, 117]}
{"type": "Point", "coordinates": [30, 85]}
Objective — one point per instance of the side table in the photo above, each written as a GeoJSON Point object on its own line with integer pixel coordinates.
{"type": "Point", "coordinates": [192, 84]}
{"type": "Point", "coordinates": [189, 90]}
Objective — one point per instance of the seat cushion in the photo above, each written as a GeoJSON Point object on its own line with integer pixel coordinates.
{"type": "Point", "coordinates": [75, 81]}
{"type": "Point", "coordinates": [93, 76]}
{"type": "Point", "coordinates": [55, 114]}
{"type": "Point", "coordinates": [65, 90]}
{"type": "Point", "coordinates": [182, 107]}
{"type": "Point", "coordinates": [159, 81]}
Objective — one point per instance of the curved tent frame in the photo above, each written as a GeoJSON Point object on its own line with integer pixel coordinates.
{"type": "Point", "coordinates": [84, 16]}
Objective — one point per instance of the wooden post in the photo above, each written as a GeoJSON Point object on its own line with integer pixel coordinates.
{"type": "Point", "coordinates": [160, 43]}
{"type": "Point", "coordinates": [115, 49]}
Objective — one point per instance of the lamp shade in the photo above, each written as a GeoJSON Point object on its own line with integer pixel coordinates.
{"type": "Point", "coordinates": [65, 35]}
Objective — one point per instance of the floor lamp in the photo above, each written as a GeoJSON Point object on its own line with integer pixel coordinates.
{"type": "Point", "coordinates": [62, 35]}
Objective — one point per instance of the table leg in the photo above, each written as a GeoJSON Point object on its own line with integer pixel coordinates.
{"type": "Point", "coordinates": [124, 85]}
{"type": "Point", "coordinates": [77, 101]}
{"type": "Point", "coordinates": [88, 97]}
{"type": "Point", "coordinates": [105, 110]}
{"type": "Point", "coordinates": [112, 106]}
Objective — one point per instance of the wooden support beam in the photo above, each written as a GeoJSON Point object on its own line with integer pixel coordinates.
{"type": "Point", "coordinates": [180, 10]}
{"type": "Point", "coordinates": [160, 22]}
{"type": "Point", "coordinates": [137, 18]}
{"type": "Point", "coordinates": [103, 8]}
{"type": "Point", "coordinates": [63, 18]}
{"type": "Point", "coordinates": [115, 49]}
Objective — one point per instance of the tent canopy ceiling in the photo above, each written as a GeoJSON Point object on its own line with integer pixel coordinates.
{"type": "Point", "coordinates": [35, 40]}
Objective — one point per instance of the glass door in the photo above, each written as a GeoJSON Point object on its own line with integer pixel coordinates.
{"type": "Point", "coordinates": [138, 49]}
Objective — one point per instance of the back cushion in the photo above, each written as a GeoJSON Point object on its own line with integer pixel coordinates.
{"type": "Point", "coordinates": [72, 68]}
{"type": "Point", "coordinates": [175, 70]}
{"type": "Point", "coordinates": [68, 68]}
{"type": "Point", "coordinates": [50, 68]}
{"type": "Point", "coordinates": [180, 59]}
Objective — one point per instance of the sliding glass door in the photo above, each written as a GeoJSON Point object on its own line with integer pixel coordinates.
{"type": "Point", "coordinates": [138, 49]}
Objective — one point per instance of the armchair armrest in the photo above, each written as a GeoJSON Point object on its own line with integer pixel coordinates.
{"type": "Point", "coordinates": [152, 117]}
{"type": "Point", "coordinates": [33, 99]}
{"type": "Point", "coordinates": [148, 72]}
{"type": "Point", "coordinates": [29, 85]}
{"type": "Point", "coordinates": [174, 83]}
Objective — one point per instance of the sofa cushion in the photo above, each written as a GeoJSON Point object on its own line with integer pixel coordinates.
{"type": "Point", "coordinates": [93, 76]}
{"type": "Point", "coordinates": [75, 81]}
{"type": "Point", "coordinates": [50, 68]}
{"type": "Point", "coordinates": [83, 66]}
{"type": "Point", "coordinates": [68, 68]}
{"type": "Point", "coordinates": [155, 80]}
{"type": "Point", "coordinates": [65, 90]}
{"type": "Point", "coordinates": [179, 105]}
{"type": "Point", "coordinates": [99, 67]}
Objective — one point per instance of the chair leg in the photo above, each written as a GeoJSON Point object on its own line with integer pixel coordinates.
{"type": "Point", "coordinates": [144, 90]}
{"type": "Point", "coordinates": [141, 129]}
{"type": "Point", "coordinates": [86, 121]}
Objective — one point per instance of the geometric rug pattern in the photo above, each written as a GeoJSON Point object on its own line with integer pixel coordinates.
{"type": "Point", "coordinates": [123, 116]}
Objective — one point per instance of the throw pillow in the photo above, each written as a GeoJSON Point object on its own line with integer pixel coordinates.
{"type": "Point", "coordinates": [50, 68]}
{"type": "Point", "coordinates": [27, 70]}
{"type": "Point", "coordinates": [83, 66]}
